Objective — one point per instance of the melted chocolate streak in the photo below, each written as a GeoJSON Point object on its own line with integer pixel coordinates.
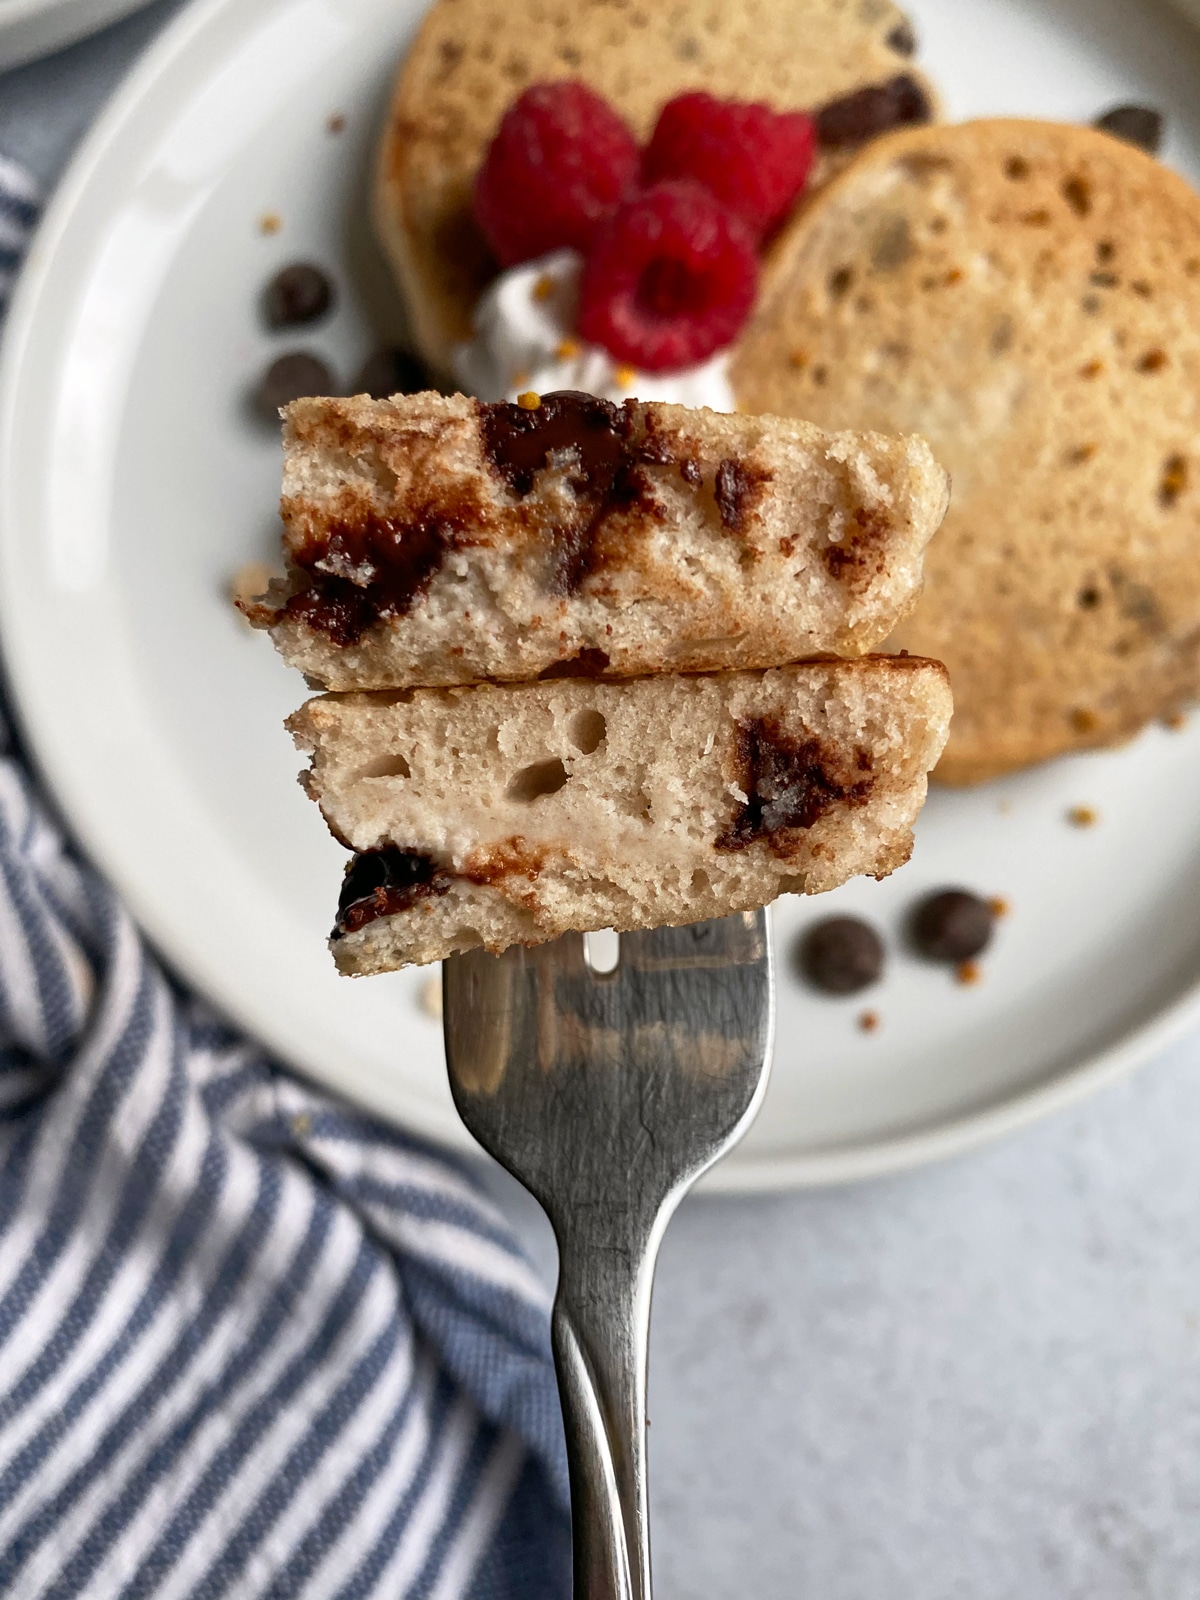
{"type": "Point", "coordinates": [589, 440]}
{"type": "Point", "coordinates": [402, 558]}
{"type": "Point", "coordinates": [379, 883]}
{"type": "Point", "coordinates": [788, 783]}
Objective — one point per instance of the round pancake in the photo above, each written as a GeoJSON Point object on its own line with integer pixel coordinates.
{"type": "Point", "coordinates": [1027, 296]}
{"type": "Point", "coordinates": [472, 58]}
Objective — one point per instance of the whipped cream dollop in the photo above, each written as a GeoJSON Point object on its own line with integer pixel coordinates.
{"type": "Point", "coordinates": [525, 340]}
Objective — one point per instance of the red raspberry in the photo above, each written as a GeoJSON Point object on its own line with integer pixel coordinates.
{"type": "Point", "coordinates": [670, 278]}
{"type": "Point", "coordinates": [561, 160]}
{"type": "Point", "coordinates": [754, 159]}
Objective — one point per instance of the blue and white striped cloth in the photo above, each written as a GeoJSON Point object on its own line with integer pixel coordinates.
{"type": "Point", "coordinates": [251, 1343]}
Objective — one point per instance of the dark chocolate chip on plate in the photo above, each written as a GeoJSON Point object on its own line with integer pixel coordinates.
{"type": "Point", "coordinates": [1140, 125]}
{"type": "Point", "coordinates": [298, 295]}
{"type": "Point", "coordinates": [392, 371]}
{"type": "Point", "coordinates": [292, 377]}
{"type": "Point", "coordinates": [953, 925]}
{"type": "Point", "coordinates": [841, 955]}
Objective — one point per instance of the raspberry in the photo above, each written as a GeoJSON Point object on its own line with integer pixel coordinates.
{"type": "Point", "coordinates": [561, 160]}
{"type": "Point", "coordinates": [753, 159]}
{"type": "Point", "coordinates": [670, 278]}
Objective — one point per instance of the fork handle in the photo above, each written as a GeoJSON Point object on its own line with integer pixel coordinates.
{"type": "Point", "coordinates": [600, 1331]}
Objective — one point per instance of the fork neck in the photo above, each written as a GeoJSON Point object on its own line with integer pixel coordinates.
{"type": "Point", "coordinates": [601, 1327]}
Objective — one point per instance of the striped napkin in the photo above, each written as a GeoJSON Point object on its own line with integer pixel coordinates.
{"type": "Point", "coordinates": [251, 1342]}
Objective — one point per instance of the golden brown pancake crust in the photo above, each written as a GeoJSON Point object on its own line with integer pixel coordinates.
{"type": "Point", "coordinates": [1027, 296]}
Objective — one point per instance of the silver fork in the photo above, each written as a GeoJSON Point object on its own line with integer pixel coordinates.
{"type": "Point", "coordinates": [607, 1096]}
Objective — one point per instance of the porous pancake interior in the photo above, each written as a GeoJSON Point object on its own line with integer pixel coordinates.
{"type": "Point", "coordinates": [524, 811]}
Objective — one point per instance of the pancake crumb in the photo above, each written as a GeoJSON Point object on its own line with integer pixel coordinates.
{"type": "Point", "coordinates": [429, 997]}
{"type": "Point", "coordinates": [250, 582]}
{"type": "Point", "coordinates": [1082, 817]}
{"type": "Point", "coordinates": [868, 1022]}
{"type": "Point", "coordinates": [968, 973]}
{"type": "Point", "coordinates": [270, 222]}
{"type": "Point", "coordinates": [999, 906]}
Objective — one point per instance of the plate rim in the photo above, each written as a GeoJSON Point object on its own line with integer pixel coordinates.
{"type": "Point", "coordinates": [31, 29]}
{"type": "Point", "coordinates": [746, 1173]}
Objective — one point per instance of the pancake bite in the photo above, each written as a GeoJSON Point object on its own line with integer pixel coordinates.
{"type": "Point", "coordinates": [510, 814]}
{"type": "Point", "coordinates": [436, 540]}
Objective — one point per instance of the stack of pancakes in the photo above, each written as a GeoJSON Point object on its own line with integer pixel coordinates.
{"type": "Point", "coordinates": [565, 643]}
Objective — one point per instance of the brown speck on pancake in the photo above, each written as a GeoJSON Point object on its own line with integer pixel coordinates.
{"type": "Point", "coordinates": [1077, 192]}
{"type": "Point", "coordinates": [860, 544]}
{"type": "Point", "coordinates": [515, 857]}
{"type": "Point", "coordinates": [737, 490]}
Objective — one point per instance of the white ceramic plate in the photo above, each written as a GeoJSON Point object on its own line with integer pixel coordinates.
{"type": "Point", "coordinates": [133, 483]}
{"type": "Point", "coordinates": [32, 28]}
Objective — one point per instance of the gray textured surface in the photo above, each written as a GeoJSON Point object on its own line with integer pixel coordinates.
{"type": "Point", "coordinates": [979, 1382]}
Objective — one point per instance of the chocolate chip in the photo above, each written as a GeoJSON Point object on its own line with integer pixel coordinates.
{"type": "Point", "coordinates": [383, 882]}
{"type": "Point", "coordinates": [953, 925]}
{"type": "Point", "coordinates": [788, 783]}
{"type": "Point", "coordinates": [292, 377]}
{"type": "Point", "coordinates": [392, 371]}
{"type": "Point", "coordinates": [595, 436]}
{"type": "Point", "coordinates": [402, 558]}
{"type": "Point", "coordinates": [1140, 125]}
{"type": "Point", "coordinates": [867, 112]}
{"type": "Point", "coordinates": [841, 955]}
{"type": "Point", "coordinates": [298, 295]}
